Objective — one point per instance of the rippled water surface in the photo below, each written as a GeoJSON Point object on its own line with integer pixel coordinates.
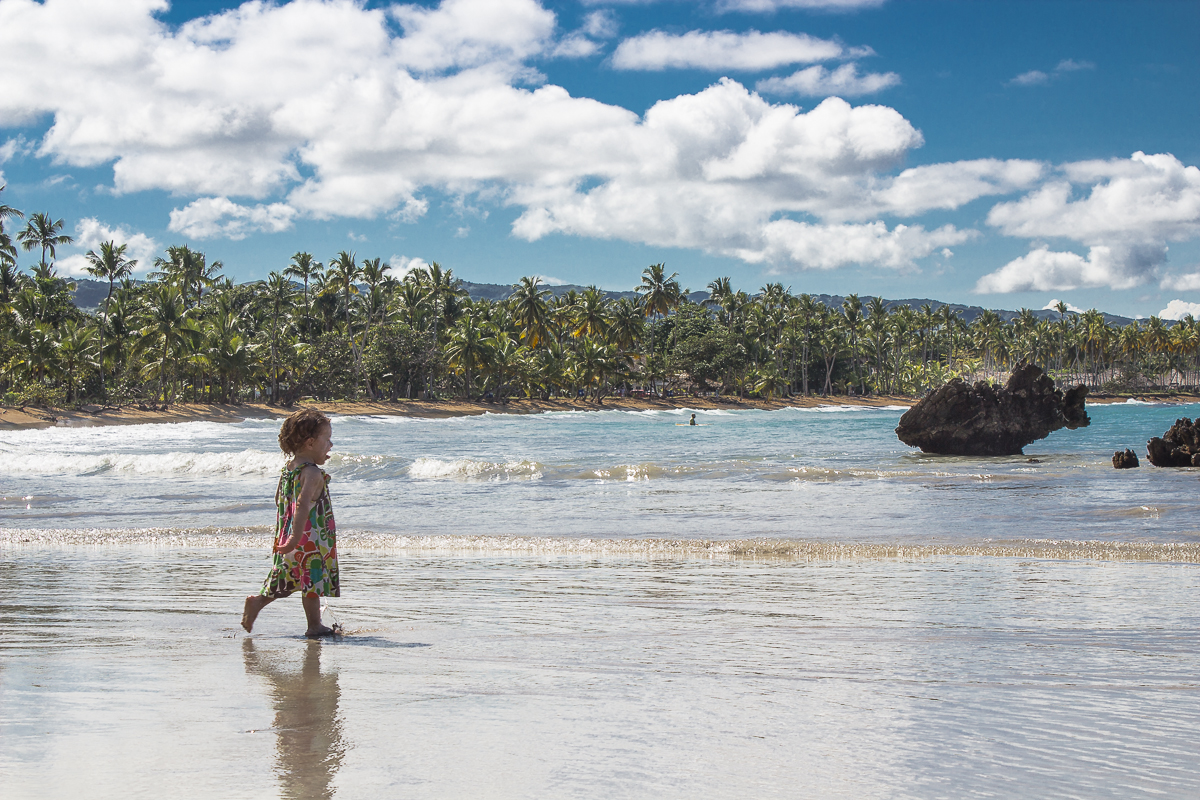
{"type": "Point", "coordinates": [829, 473]}
{"type": "Point", "coordinates": [783, 604]}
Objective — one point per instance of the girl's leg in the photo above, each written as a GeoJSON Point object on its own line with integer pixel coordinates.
{"type": "Point", "coordinates": [312, 612]}
{"type": "Point", "coordinates": [254, 604]}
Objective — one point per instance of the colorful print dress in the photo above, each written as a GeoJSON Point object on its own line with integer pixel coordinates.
{"type": "Point", "coordinates": [312, 567]}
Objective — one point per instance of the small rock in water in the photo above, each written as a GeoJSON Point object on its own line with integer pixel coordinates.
{"type": "Point", "coordinates": [985, 420]}
{"type": "Point", "coordinates": [1126, 460]}
{"type": "Point", "coordinates": [1178, 447]}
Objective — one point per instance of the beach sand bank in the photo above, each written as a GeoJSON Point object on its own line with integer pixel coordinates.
{"type": "Point", "coordinates": [14, 418]}
{"type": "Point", "coordinates": [87, 416]}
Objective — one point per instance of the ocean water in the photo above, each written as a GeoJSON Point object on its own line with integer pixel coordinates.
{"type": "Point", "coordinates": [784, 604]}
{"type": "Point", "coordinates": [832, 473]}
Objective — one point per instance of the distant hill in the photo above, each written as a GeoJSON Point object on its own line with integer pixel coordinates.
{"type": "Point", "coordinates": [89, 293]}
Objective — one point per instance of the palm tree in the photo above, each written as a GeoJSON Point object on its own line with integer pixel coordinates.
{"type": "Point", "coordinates": [168, 327]}
{"type": "Point", "coordinates": [659, 294]}
{"type": "Point", "coordinates": [112, 266]}
{"type": "Point", "coordinates": [41, 231]}
{"type": "Point", "coordinates": [530, 311]}
{"type": "Point", "coordinates": [304, 268]}
{"type": "Point", "coordinates": [279, 295]}
{"type": "Point", "coordinates": [591, 317]}
{"type": "Point", "coordinates": [343, 272]}
{"type": "Point", "coordinates": [852, 316]}
{"type": "Point", "coordinates": [190, 271]}
{"type": "Point", "coordinates": [465, 350]}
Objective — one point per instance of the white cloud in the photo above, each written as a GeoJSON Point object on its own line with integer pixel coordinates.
{"type": "Point", "coordinates": [719, 50]}
{"type": "Point", "coordinates": [1143, 198]}
{"type": "Point", "coordinates": [1031, 78]}
{"type": "Point", "coordinates": [601, 24]}
{"type": "Point", "coordinates": [951, 185]}
{"type": "Point", "coordinates": [1188, 282]}
{"type": "Point", "coordinates": [817, 81]}
{"type": "Point", "coordinates": [220, 217]}
{"type": "Point", "coordinates": [1071, 65]}
{"type": "Point", "coordinates": [1053, 306]}
{"type": "Point", "coordinates": [318, 109]}
{"type": "Point", "coordinates": [402, 265]}
{"type": "Point", "coordinates": [470, 33]}
{"type": "Point", "coordinates": [1127, 212]}
{"type": "Point", "coordinates": [799, 244]}
{"type": "Point", "coordinates": [90, 232]}
{"type": "Point", "coordinates": [550, 280]}
{"type": "Point", "coordinates": [1178, 309]}
{"type": "Point", "coordinates": [16, 146]}
{"type": "Point", "coordinates": [1043, 270]}
{"type": "Point", "coordinates": [575, 47]}
{"type": "Point", "coordinates": [1036, 77]}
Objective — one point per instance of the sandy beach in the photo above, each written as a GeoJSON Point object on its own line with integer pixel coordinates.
{"type": "Point", "coordinates": [86, 416]}
{"type": "Point", "coordinates": [18, 418]}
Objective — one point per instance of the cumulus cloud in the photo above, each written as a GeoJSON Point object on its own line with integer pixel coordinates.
{"type": "Point", "coordinates": [718, 50]}
{"type": "Point", "coordinates": [828, 247]}
{"type": "Point", "coordinates": [1188, 282]}
{"type": "Point", "coordinates": [90, 232]}
{"type": "Point", "coordinates": [1126, 212]}
{"type": "Point", "coordinates": [818, 81]}
{"type": "Point", "coordinates": [1053, 306]}
{"type": "Point", "coordinates": [318, 108]}
{"type": "Point", "coordinates": [1178, 309]}
{"type": "Point", "coordinates": [1043, 269]}
{"type": "Point", "coordinates": [220, 217]}
{"type": "Point", "coordinates": [402, 265]}
{"type": "Point", "coordinates": [469, 33]}
{"type": "Point", "coordinates": [951, 185]}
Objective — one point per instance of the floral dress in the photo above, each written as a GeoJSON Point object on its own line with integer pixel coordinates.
{"type": "Point", "coordinates": [312, 567]}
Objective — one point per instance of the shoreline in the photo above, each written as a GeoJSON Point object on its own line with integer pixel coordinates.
{"type": "Point", "coordinates": [95, 416]}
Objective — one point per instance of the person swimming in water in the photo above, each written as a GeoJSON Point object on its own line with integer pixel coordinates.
{"type": "Point", "coordinates": [693, 422]}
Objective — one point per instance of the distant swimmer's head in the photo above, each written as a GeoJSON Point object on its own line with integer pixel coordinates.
{"type": "Point", "coordinates": [308, 432]}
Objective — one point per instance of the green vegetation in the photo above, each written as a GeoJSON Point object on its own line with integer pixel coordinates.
{"type": "Point", "coordinates": [349, 329]}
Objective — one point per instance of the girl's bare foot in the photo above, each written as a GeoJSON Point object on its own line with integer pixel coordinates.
{"type": "Point", "coordinates": [254, 604]}
{"type": "Point", "coordinates": [321, 632]}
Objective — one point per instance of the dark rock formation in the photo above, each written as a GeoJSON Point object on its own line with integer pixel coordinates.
{"type": "Point", "coordinates": [985, 420]}
{"type": "Point", "coordinates": [1126, 460]}
{"type": "Point", "coordinates": [1178, 447]}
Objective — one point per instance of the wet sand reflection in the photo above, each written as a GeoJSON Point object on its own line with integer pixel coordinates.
{"type": "Point", "coordinates": [309, 746]}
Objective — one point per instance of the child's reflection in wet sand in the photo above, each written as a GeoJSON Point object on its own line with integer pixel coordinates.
{"type": "Point", "coordinates": [309, 743]}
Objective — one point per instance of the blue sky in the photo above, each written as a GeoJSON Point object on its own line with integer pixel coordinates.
{"type": "Point", "coordinates": [1002, 154]}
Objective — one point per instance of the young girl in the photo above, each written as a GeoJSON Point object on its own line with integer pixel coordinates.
{"type": "Point", "coordinates": [305, 553]}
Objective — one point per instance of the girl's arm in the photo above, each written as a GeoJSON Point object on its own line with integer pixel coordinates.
{"type": "Point", "coordinates": [311, 484]}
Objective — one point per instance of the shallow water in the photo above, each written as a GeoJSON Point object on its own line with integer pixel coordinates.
{"type": "Point", "coordinates": [777, 604]}
{"type": "Point", "coordinates": [124, 675]}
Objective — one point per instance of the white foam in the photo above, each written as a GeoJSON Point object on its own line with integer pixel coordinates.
{"type": "Point", "coordinates": [470, 468]}
{"type": "Point", "coordinates": [245, 462]}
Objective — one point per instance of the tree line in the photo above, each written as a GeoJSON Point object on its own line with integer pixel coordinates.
{"type": "Point", "coordinates": [349, 329]}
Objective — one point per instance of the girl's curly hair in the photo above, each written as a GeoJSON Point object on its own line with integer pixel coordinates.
{"type": "Point", "coordinates": [299, 428]}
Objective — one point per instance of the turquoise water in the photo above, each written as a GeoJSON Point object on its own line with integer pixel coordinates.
{"type": "Point", "coordinates": [828, 474]}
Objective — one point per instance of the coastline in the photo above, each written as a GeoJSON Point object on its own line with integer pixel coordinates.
{"type": "Point", "coordinates": [92, 416]}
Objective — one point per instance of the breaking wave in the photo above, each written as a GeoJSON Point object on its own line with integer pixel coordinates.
{"type": "Point", "coordinates": [245, 462]}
